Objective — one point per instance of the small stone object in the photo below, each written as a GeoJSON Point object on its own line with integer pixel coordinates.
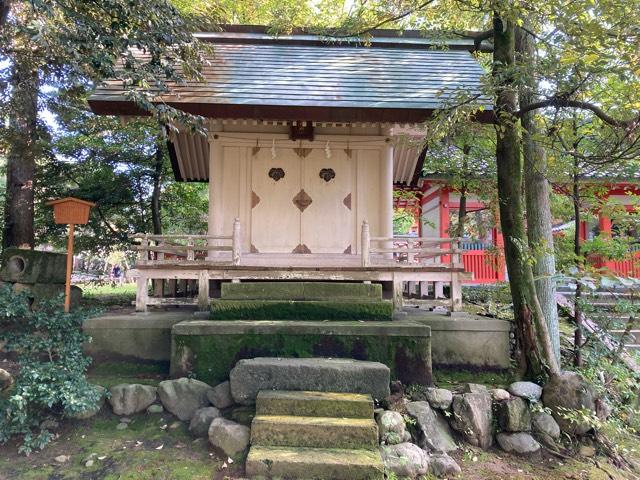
{"type": "Point", "coordinates": [184, 396]}
{"type": "Point", "coordinates": [127, 399]}
{"type": "Point", "coordinates": [201, 421]}
{"type": "Point", "coordinates": [89, 463]}
{"type": "Point", "coordinates": [155, 408]}
{"type": "Point", "coordinates": [499, 395]}
{"type": "Point", "coordinates": [62, 458]}
{"type": "Point", "coordinates": [220, 395]}
{"type": "Point", "coordinates": [175, 425]}
{"type": "Point", "coordinates": [443, 466]}
{"type": "Point", "coordinates": [473, 388]}
{"type": "Point", "coordinates": [439, 398]}
{"type": "Point", "coordinates": [587, 451]}
{"type": "Point", "coordinates": [544, 423]}
{"type": "Point", "coordinates": [472, 417]}
{"type": "Point", "coordinates": [122, 426]}
{"type": "Point", "coordinates": [391, 427]}
{"type": "Point", "coordinates": [231, 437]}
{"type": "Point", "coordinates": [125, 420]}
{"type": "Point", "coordinates": [568, 391]}
{"type": "Point", "coordinates": [527, 390]}
{"type": "Point", "coordinates": [434, 432]}
{"type": "Point", "coordinates": [521, 443]}
{"type": "Point", "coordinates": [514, 415]}
{"type": "Point", "coordinates": [405, 460]}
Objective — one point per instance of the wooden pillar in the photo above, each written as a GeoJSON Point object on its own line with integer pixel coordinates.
{"type": "Point", "coordinates": [456, 293]}
{"type": "Point", "coordinates": [203, 291]}
{"type": "Point", "coordinates": [214, 218]}
{"type": "Point", "coordinates": [386, 194]}
{"type": "Point", "coordinates": [398, 289]}
{"type": "Point", "coordinates": [604, 225]}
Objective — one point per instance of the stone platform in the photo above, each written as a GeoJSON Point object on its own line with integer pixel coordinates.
{"type": "Point", "coordinates": [210, 349]}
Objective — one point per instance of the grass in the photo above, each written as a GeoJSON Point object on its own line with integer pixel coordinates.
{"type": "Point", "coordinates": [108, 295]}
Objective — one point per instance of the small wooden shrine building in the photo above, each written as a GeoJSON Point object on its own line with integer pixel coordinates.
{"type": "Point", "coordinates": [305, 140]}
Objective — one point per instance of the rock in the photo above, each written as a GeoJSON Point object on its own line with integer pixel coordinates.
{"type": "Point", "coordinates": [406, 437]}
{"type": "Point", "coordinates": [472, 417]}
{"type": "Point", "coordinates": [62, 458]}
{"type": "Point", "coordinates": [155, 408]}
{"type": "Point", "coordinates": [94, 409]}
{"type": "Point", "coordinates": [220, 395]}
{"type": "Point", "coordinates": [6, 380]}
{"type": "Point", "coordinates": [544, 423]}
{"type": "Point", "coordinates": [587, 451]}
{"type": "Point", "coordinates": [201, 421]}
{"type": "Point", "coordinates": [127, 399]}
{"type": "Point", "coordinates": [439, 398]}
{"type": "Point", "coordinates": [184, 396]}
{"type": "Point", "coordinates": [514, 415]}
{"type": "Point", "coordinates": [520, 443]}
{"type": "Point", "coordinates": [499, 395]}
{"type": "Point", "coordinates": [473, 388]}
{"type": "Point", "coordinates": [89, 463]}
{"type": "Point", "coordinates": [405, 460]}
{"type": "Point", "coordinates": [122, 426]}
{"type": "Point", "coordinates": [527, 390]}
{"type": "Point", "coordinates": [569, 391]}
{"type": "Point", "coordinates": [243, 415]}
{"type": "Point", "coordinates": [49, 424]}
{"type": "Point", "coordinates": [603, 409]}
{"type": "Point", "coordinates": [340, 375]}
{"type": "Point", "coordinates": [231, 437]}
{"type": "Point", "coordinates": [391, 427]}
{"type": "Point", "coordinates": [434, 432]}
{"type": "Point", "coordinates": [125, 420]}
{"type": "Point", "coordinates": [442, 465]}
{"type": "Point", "coordinates": [175, 425]}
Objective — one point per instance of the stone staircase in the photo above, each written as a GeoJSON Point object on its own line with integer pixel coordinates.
{"type": "Point", "coordinates": [301, 301]}
{"type": "Point", "coordinates": [314, 435]}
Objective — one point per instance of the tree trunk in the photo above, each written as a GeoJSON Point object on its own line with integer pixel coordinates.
{"type": "Point", "coordinates": [537, 196]}
{"type": "Point", "coordinates": [156, 217]}
{"type": "Point", "coordinates": [577, 251]}
{"type": "Point", "coordinates": [462, 209]}
{"type": "Point", "coordinates": [537, 351]}
{"type": "Point", "coordinates": [22, 152]}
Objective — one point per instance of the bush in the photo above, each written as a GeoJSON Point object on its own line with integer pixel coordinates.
{"type": "Point", "coordinates": [51, 380]}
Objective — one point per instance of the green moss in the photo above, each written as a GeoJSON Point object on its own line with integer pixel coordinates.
{"type": "Point", "coordinates": [108, 374]}
{"type": "Point", "coordinates": [494, 379]}
{"type": "Point", "coordinates": [303, 310]}
{"type": "Point", "coordinates": [409, 358]}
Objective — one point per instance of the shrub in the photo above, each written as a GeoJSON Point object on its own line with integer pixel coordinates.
{"type": "Point", "coordinates": [47, 344]}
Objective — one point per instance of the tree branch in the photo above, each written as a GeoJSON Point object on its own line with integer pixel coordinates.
{"type": "Point", "coordinates": [562, 102]}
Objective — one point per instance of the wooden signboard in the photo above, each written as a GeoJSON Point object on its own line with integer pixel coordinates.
{"type": "Point", "coordinates": [70, 211]}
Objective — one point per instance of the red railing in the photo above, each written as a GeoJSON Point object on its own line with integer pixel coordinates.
{"type": "Point", "coordinates": [486, 266]}
{"type": "Point", "coordinates": [628, 268]}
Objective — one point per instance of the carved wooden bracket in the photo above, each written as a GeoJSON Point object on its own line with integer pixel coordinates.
{"type": "Point", "coordinates": [302, 200]}
{"type": "Point", "coordinates": [301, 248]}
{"type": "Point", "coordinates": [327, 174]}
{"type": "Point", "coordinates": [276, 173]}
{"type": "Point", "coordinates": [302, 152]}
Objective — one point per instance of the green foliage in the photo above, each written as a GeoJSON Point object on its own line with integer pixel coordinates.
{"type": "Point", "coordinates": [51, 380]}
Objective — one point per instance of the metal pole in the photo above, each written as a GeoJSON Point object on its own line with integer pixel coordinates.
{"type": "Point", "coordinates": [67, 285]}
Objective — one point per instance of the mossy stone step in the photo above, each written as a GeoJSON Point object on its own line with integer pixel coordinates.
{"type": "Point", "coordinates": [301, 291]}
{"type": "Point", "coordinates": [314, 432]}
{"type": "Point", "coordinates": [311, 464]}
{"type": "Point", "coordinates": [314, 404]}
{"type": "Point", "coordinates": [301, 310]}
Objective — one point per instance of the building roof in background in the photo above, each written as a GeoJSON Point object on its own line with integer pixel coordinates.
{"type": "Point", "coordinates": [396, 77]}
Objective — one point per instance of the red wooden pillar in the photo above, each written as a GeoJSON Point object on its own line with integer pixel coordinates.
{"type": "Point", "coordinates": [604, 225]}
{"type": "Point", "coordinates": [501, 268]}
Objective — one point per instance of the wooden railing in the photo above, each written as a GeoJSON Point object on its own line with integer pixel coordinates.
{"type": "Point", "coordinates": [410, 250]}
{"type": "Point", "coordinates": [162, 248]}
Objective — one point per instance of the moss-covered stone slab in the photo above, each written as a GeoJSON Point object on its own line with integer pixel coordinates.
{"type": "Point", "coordinates": [210, 349]}
{"type": "Point", "coordinates": [300, 310]}
{"type": "Point", "coordinates": [312, 464]}
{"type": "Point", "coordinates": [314, 404]}
{"type": "Point", "coordinates": [301, 291]}
{"type": "Point", "coordinates": [32, 266]}
{"type": "Point", "coordinates": [314, 432]}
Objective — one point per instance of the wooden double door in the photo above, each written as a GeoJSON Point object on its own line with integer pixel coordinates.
{"type": "Point", "coordinates": [301, 201]}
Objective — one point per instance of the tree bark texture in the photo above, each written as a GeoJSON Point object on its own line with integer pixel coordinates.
{"type": "Point", "coordinates": [537, 196]}
{"type": "Point", "coordinates": [536, 354]}
{"type": "Point", "coordinates": [577, 251]}
{"type": "Point", "coordinates": [22, 153]}
{"type": "Point", "coordinates": [156, 217]}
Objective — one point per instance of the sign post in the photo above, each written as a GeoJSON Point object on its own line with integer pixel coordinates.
{"type": "Point", "coordinates": [70, 211]}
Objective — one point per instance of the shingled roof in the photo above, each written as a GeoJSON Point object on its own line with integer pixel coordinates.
{"type": "Point", "coordinates": [395, 77]}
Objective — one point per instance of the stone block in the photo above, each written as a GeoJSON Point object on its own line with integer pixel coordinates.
{"type": "Point", "coordinates": [250, 376]}
{"type": "Point", "coordinates": [434, 433]}
{"type": "Point", "coordinates": [314, 404]}
{"type": "Point", "coordinates": [514, 415]}
{"type": "Point", "coordinates": [184, 396]}
{"type": "Point", "coordinates": [473, 418]}
{"type": "Point", "coordinates": [314, 432]}
{"type": "Point", "coordinates": [32, 266]}
{"type": "Point", "coordinates": [312, 463]}
{"type": "Point", "coordinates": [210, 349]}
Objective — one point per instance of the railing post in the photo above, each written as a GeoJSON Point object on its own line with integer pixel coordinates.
{"type": "Point", "coordinates": [366, 243]}
{"type": "Point", "coordinates": [142, 293]}
{"type": "Point", "coordinates": [236, 240]}
{"type": "Point", "coordinates": [190, 250]}
{"type": "Point", "coordinates": [144, 253]}
{"type": "Point", "coordinates": [203, 290]}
